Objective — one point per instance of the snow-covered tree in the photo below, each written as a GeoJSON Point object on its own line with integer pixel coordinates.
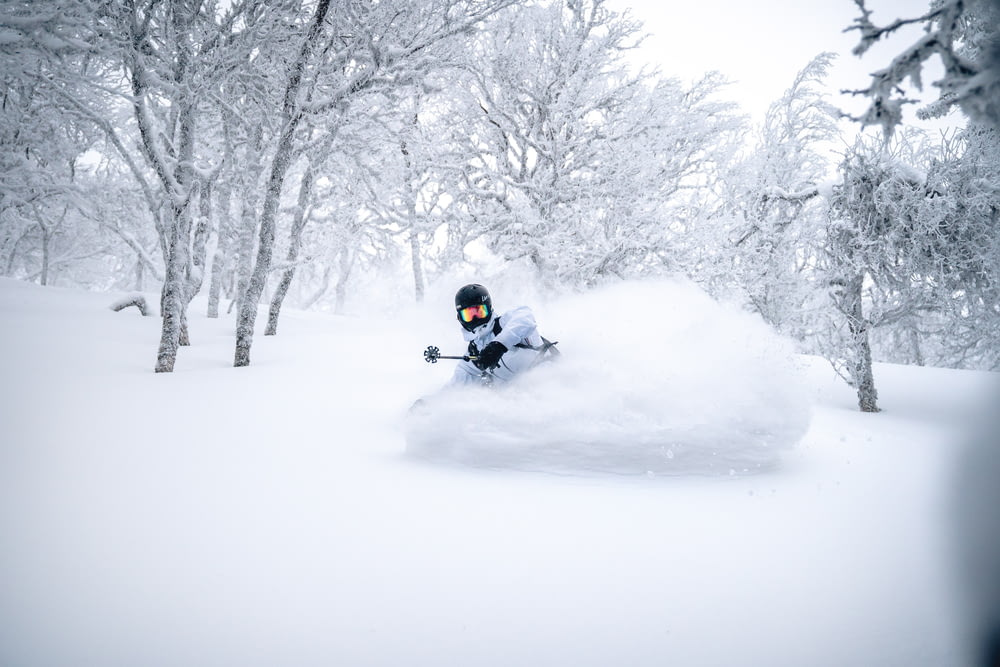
{"type": "Point", "coordinates": [910, 250]}
{"type": "Point", "coordinates": [291, 116]}
{"type": "Point", "coordinates": [960, 252]}
{"type": "Point", "coordinates": [301, 213]}
{"type": "Point", "coordinates": [965, 35]}
{"type": "Point", "coordinates": [771, 202]}
{"type": "Point", "coordinates": [429, 169]}
{"type": "Point", "coordinates": [168, 53]}
{"type": "Point", "coordinates": [42, 141]}
{"type": "Point", "coordinates": [348, 51]}
{"type": "Point", "coordinates": [856, 257]}
{"type": "Point", "coordinates": [414, 170]}
{"type": "Point", "coordinates": [935, 295]}
{"type": "Point", "coordinates": [911, 257]}
{"type": "Point", "coordinates": [345, 239]}
{"type": "Point", "coordinates": [582, 164]}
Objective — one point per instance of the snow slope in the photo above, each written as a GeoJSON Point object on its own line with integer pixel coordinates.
{"type": "Point", "coordinates": [271, 515]}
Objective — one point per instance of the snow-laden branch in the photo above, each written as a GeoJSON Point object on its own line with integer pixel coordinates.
{"type": "Point", "coordinates": [136, 300]}
{"type": "Point", "coordinates": [954, 29]}
{"type": "Point", "coordinates": [112, 134]}
{"type": "Point", "coordinates": [804, 194]}
{"type": "Point", "coordinates": [136, 247]}
{"type": "Point", "coordinates": [870, 33]}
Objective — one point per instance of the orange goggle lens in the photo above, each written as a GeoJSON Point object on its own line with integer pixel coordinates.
{"type": "Point", "coordinates": [480, 312]}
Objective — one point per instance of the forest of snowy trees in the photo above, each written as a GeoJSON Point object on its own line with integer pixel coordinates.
{"type": "Point", "coordinates": [259, 153]}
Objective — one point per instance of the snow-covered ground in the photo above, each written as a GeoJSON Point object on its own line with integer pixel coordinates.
{"type": "Point", "coordinates": [275, 515]}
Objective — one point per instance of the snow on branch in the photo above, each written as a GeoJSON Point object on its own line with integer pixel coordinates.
{"type": "Point", "coordinates": [804, 194]}
{"type": "Point", "coordinates": [963, 33]}
{"type": "Point", "coordinates": [870, 33]}
{"type": "Point", "coordinates": [137, 300]}
{"type": "Point", "coordinates": [55, 31]}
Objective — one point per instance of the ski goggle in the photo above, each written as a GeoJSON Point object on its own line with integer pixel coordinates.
{"type": "Point", "coordinates": [470, 313]}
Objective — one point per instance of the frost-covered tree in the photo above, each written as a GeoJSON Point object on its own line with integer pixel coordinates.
{"type": "Point", "coordinates": [347, 51]}
{"type": "Point", "coordinates": [317, 157]}
{"type": "Point", "coordinates": [413, 174]}
{"type": "Point", "coordinates": [425, 202]}
{"type": "Point", "coordinates": [911, 255]}
{"type": "Point", "coordinates": [897, 252]}
{"type": "Point", "coordinates": [960, 253]}
{"type": "Point", "coordinates": [115, 203]}
{"type": "Point", "coordinates": [168, 53]}
{"type": "Point", "coordinates": [41, 142]}
{"type": "Point", "coordinates": [37, 178]}
{"type": "Point", "coordinates": [56, 58]}
{"type": "Point", "coordinates": [345, 239]}
{"type": "Point", "coordinates": [965, 35]}
{"type": "Point", "coordinates": [579, 160]}
{"type": "Point", "coordinates": [160, 62]}
{"type": "Point", "coordinates": [947, 313]}
{"type": "Point", "coordinates": [855, 260]}
{"type": "Point", "coordinates": [771, 202]}
{"type": "Point", "coordinates": [291, 116]}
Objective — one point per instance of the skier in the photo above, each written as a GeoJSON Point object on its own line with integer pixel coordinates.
{"type": "Point", "coordinates": [500, 346]}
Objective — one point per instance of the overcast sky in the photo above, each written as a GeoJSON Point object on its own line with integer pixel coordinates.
{"type": "Point", "coordinates": [762, 46]}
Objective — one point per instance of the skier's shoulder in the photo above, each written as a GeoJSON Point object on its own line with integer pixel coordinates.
{"type": "Point", "coordinates": [515, 326]}
{"type": "Point", "coordinates": [517, 314]}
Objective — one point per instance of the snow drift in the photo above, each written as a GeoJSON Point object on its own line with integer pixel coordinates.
{"type": "Point", "coordinates": [654, 377]}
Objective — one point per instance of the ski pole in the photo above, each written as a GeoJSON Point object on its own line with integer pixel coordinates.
{"type": "Point", "coordinates": [433, 353]}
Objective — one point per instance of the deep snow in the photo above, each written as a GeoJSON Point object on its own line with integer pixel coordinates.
{"type": "Point", "coordinates": [653, 378]}
{"type": "Point", "coordinates": [271, 515]}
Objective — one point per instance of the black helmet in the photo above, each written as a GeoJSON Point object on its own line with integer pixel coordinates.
{"type": "Point", "coordinates": [474, 306]}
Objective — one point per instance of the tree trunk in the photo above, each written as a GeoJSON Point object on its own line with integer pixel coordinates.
{"type": "Point", "coordinates": [418, 268]}
{"type": "Point", "coordinates": [196, 267]}
{"type": "Point", "coordinates": [173, 299]}
{"type": "Point", "coordinates": [248, 219]}
{"type": "Point", "coordinates": [173, 302]}
{"type": "Point", "coordinates": [294, 245]}
{"type": "Point", "coordinates": [861, 351]}
{"type": "Point", "coordinates": [916, 353]}
{"type": "Point", "coordinates": [199, 244]}
{"type": "Point", "coordinates": [12, 257]}
{"type": "Point", "coordinates": [44, 278]}
{"type": "Point", "coordinates": [411, 214]}
{"type": "Point", "coordinates": [279, 168]}
{"type": "Point", "coordinates": [170, 154]}
{"type": "Point", "coordinates": [218, 276]}
{"type": "Point", "coordinates": [340, 293]}
{"type": "Point", "coordinates": [218, 269]}
{"type": "Point", "coordinates": [323, 288]}
{"type": "Point", "coordinates": [46, 229]}
{"type": "Point", "coordinates": [247, 316]}
{"type": "Point", "coordinates": [223, 244]}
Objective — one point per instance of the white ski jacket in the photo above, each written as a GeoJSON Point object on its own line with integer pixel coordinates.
{"type": "Point", "coordinates": [517, 330]}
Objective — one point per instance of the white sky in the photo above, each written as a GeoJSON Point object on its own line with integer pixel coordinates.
{"type": "Point", "coordinates": [761, 46]}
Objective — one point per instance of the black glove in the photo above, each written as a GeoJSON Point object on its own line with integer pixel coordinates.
{"type": "Point", "coordinates": [490, 355]}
